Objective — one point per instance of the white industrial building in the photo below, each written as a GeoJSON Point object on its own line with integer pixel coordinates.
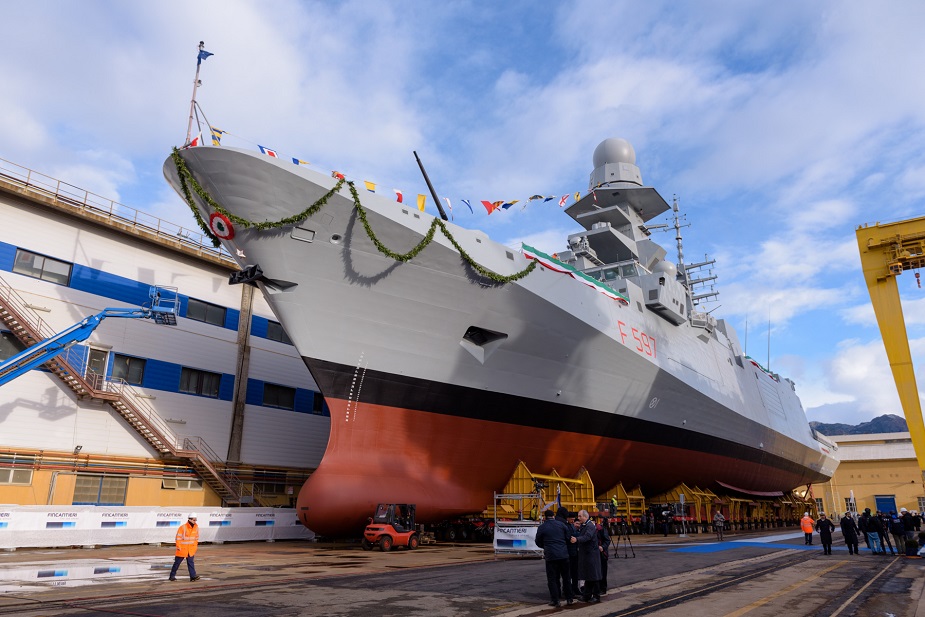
{"type": "Point", "coordinates": [216, 409]}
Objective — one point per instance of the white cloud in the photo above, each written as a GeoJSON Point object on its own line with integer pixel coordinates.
{"type": "Point", "coordinates": [858, 383]}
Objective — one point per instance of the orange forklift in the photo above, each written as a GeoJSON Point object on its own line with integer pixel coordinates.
{"type": "Point", "coordinates": [392, 525]}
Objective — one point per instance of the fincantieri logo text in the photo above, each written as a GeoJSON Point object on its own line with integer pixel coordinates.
{"type": "Point", "coordinates": [60, 524]}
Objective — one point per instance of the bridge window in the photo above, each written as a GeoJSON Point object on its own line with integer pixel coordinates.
{"type": "Point", "coordinates": [204, 311]}
{"type": "Point", "coordinates": [127, 368]}
{"type": "Point", "coordinates": [203, 383]}
{"type": "Point", "coordinates": [99, 491]}
{"type": "Point", "coordinates": [281, 397]}
{"type": "Point", "coordinates": [41, 267]}
{"type": "Point", "coordinates": [275, 332]}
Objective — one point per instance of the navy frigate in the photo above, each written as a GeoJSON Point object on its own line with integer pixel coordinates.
{"type": "Point", "coordinates": [445, 357]}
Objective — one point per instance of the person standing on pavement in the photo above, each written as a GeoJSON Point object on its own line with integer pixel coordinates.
{"type": "Point", "coordinates": [908, 524]}
{"type": "Point", "coordinates": [553, 536]}
{"type": "Point", "coordinates": [898, 532]}
{"type": "Point", "coordinates": [885, 532]}
{"type": "Point", "coordinates": [850, 531]}
{"type": "Point", "coordinates": [825, 527]}
{"type": "Point", "coordinates": [603, 540]}
{"type": "Point", "coordinates": [187, 542]}
{"type": "Point", "coordinates": [807, 524]}
{"type": "Point", "coordinates": [589, 558]}
{"type": "Point", "coordinates": [873, 528]}
{"type": "Point", "coordinates": [862, 525]}
{"type": "Point", "coordinates": [719, 521]}
{"type": "Point", "coordinates": [562, 515]}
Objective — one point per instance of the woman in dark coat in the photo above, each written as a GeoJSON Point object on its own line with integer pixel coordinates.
{"type": "Point", "coordinates": [589, 558]}
{"type": "Point", "coordinates": [825, 527]}
{"type": "Point", "coordinates": [850, 531]}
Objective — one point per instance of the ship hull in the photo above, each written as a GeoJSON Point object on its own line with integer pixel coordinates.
{"type": "Point", "coordinates": [450, 457]}
{"type": "Point", "coordinates": [421, 414]}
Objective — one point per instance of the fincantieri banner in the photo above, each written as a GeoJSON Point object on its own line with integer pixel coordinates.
{"type": "Point", "coordinates": [517, 538]}
{"type": "Point", "coordinates": [50, 526]}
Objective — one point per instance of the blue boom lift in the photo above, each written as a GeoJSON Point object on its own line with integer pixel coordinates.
{"type": "Point", "coordinates": [163, 310]}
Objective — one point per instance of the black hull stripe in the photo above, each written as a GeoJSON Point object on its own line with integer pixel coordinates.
{"type": "Point", "coordinates": [391, 390]}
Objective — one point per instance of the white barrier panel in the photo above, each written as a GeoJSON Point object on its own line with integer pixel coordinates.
{"type": "Point", "coordinates": [44, 526]}
{"type": "Point", "coordinates": [518, 538]}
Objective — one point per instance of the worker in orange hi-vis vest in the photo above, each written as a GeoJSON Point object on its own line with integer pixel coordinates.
{"type": "Point", "coordinates": [807, 524]}
{"type": "Point", "coordinates": [187, 543]}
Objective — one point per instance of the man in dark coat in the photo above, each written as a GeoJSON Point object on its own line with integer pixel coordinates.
{"type": "Point", "coordinates": [589, 558]}
{"type": "Point", "coordinates": [562, 515]}
{"type": "Point", "coordinates": [885, 532]}
{"type": "Point", "coordinates": [850, 531]}
{"type": "Point", "coordinates": [908, 523]}
{"type": "Point", "coordinates": [862, 525]}
{"type": "Point", "coordinates": [553, 537]}
{"type": "Point", "coordinates": [603, 539]}
{"type": "Point", "coordinates": [825, 527]}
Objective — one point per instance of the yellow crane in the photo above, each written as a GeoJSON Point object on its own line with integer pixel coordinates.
{"type": "Point", "coordinates": [886, 251]}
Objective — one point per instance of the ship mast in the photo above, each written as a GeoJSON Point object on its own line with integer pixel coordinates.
{"type": "Point", "coordinates": [196, 84]}
{"type": "Point", "coordinates": [678, 239]}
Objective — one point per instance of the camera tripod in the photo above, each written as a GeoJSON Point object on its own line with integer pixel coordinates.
{"type": "Point", "coordinates": [623, 539]}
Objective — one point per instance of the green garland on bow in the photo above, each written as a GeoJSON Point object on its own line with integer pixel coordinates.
{"type": "Point", "coordinates": [187, 180]}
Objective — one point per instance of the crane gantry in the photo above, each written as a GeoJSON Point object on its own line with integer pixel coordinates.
{"type": "Point", "coordinates": [887, 250]}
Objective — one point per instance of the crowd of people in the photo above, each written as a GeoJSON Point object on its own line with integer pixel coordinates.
{"type": "Point", "coordinates": [881, 531]}
{"type": "Point", "coordinates": [576, 552]}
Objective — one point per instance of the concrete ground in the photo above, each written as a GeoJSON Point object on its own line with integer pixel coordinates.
{"type": "Point", "coordinates": [753, 574]}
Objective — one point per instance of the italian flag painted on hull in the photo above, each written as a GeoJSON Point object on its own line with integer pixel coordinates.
{"type": "Point", "coordinates": [551, 263]}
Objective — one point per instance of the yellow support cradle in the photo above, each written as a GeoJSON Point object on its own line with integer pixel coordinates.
{"type": "Point", "coordinates": [629, 504]}
{"type": "Point", "coordinates": [575, 493]}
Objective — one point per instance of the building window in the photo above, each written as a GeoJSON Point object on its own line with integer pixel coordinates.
{"type": "Point", "coordinates": [850, 505]}
{"type": "Point", "coordinates": [819, 507]}
{"type": "Point", "coordinates": [16, 476]}
{"type": "Point", "coordinates": [9, 345]}
{"type": "Point", "coordinates": [203, 311]}
{"type": "Point", "coordinates": [278, 396]}
{"type": "Point", "coordinates": [921, 504]}
{"type": "Point", "coordinates": [129, 369]}
{"type": "Point", "coordinates": [41, 267]}
{"type": "Point", "coordinates": [275, 332]}
{"type": "Point", "coordinates": [100, 491]}
{"type": "Point", "coordinates": [182, 484]}
{"type": "Point", "coordinates": [203, 383]}
{"type": "Point", "coordinates": [318, 404]}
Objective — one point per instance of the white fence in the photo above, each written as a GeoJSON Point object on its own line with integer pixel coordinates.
{"type": "Point", "coordinates": [50, 526]}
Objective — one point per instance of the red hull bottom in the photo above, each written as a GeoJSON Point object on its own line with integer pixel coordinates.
{"type": "Point", "coordinates": [448, 465]}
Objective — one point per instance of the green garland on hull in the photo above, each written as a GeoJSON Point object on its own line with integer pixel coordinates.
{"type": "Point", "coordinates": [188, 182]}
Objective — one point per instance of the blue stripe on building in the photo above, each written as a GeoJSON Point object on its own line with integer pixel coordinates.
{"type": "Point", "coordinates": [158, 375]}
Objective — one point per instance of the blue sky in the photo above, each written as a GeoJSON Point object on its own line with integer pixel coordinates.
{"type": "Point", "coordinates": [780, 127]}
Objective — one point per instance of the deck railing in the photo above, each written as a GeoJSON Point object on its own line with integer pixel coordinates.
{"type": "Point", "coordinates": [91, 203]}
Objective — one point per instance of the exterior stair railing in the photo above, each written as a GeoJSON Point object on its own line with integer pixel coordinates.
{"type": "Point", "coordinates": [30, 328]}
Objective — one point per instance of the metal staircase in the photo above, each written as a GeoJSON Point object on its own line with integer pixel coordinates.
{"type": "Point", "coordinates": [30, 328]}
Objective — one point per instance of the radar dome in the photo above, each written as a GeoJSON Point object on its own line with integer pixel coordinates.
{"type": "Point", "coordinates": [666, 267]}
{"type": "Point", "coordinates": [614, 150]}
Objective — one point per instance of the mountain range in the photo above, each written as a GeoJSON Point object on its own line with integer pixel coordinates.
{"type": "Point", "coordinates": [887, 423]}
